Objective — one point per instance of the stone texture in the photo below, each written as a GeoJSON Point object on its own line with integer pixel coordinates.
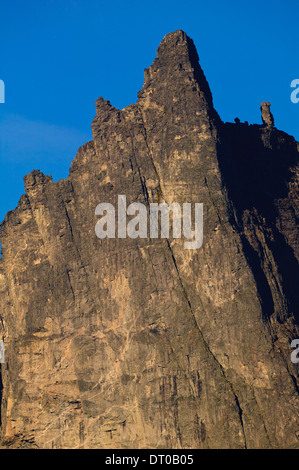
{"type": "Point", "coordinates": [267, 116]}
{"type": "Point", "coordinates": [122, 343]}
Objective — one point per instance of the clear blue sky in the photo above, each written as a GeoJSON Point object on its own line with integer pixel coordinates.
{"type": "Point", "coordinates": [58, 56]}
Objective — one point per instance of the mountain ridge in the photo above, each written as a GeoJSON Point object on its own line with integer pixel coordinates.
{"type": "Point", "coordinates": [122, 343]}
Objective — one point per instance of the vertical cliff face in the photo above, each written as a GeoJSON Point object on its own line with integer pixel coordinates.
{"type": "Point", "coordinates": [128, 343]}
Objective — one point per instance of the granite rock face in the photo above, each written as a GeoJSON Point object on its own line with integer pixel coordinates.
{"type": "Point", "coordinates": [140, 343]}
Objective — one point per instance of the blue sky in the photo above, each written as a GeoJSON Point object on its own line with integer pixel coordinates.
{"type": "Point", "coordinates": [58, 56]}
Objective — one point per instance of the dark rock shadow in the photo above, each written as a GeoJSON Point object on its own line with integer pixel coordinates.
{"type": "Point", "coordinates": [256, 164]}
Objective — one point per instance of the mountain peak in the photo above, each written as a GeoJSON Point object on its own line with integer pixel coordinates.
{"type": "Point", "coordinates": [176, 42]}
{"type": "Point", "coordinates": [135, 341]}
{"type": "Point", "coordinates": [176, 68]}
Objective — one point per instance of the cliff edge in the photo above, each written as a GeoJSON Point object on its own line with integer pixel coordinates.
{"type": "Point", "coordinates": [140, 343]}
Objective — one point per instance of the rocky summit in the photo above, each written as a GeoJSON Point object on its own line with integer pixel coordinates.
{"type": "Point", "coordinates": [121, 343]}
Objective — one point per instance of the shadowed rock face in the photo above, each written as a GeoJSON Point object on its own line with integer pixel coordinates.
{"type": "Point", "coordinates": [129, 343]}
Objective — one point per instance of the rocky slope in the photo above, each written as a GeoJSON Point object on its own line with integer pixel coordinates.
{"type": "Point", "coordinates": [140, 343]}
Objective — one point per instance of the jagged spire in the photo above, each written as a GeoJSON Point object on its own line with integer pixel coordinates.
{"type": "Point", "coordinates": [267, 116]}
{"type": "Point", "coordinates": [176, 74]}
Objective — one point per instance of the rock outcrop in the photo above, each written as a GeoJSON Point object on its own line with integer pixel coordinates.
{"type": "Point", "coordinates": [267, 116]}
{"type": "Point", "coordinates": [140, 343]}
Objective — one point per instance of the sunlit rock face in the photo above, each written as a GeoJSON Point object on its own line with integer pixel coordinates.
{"type": "Point", "coordinates": [141, 343]}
